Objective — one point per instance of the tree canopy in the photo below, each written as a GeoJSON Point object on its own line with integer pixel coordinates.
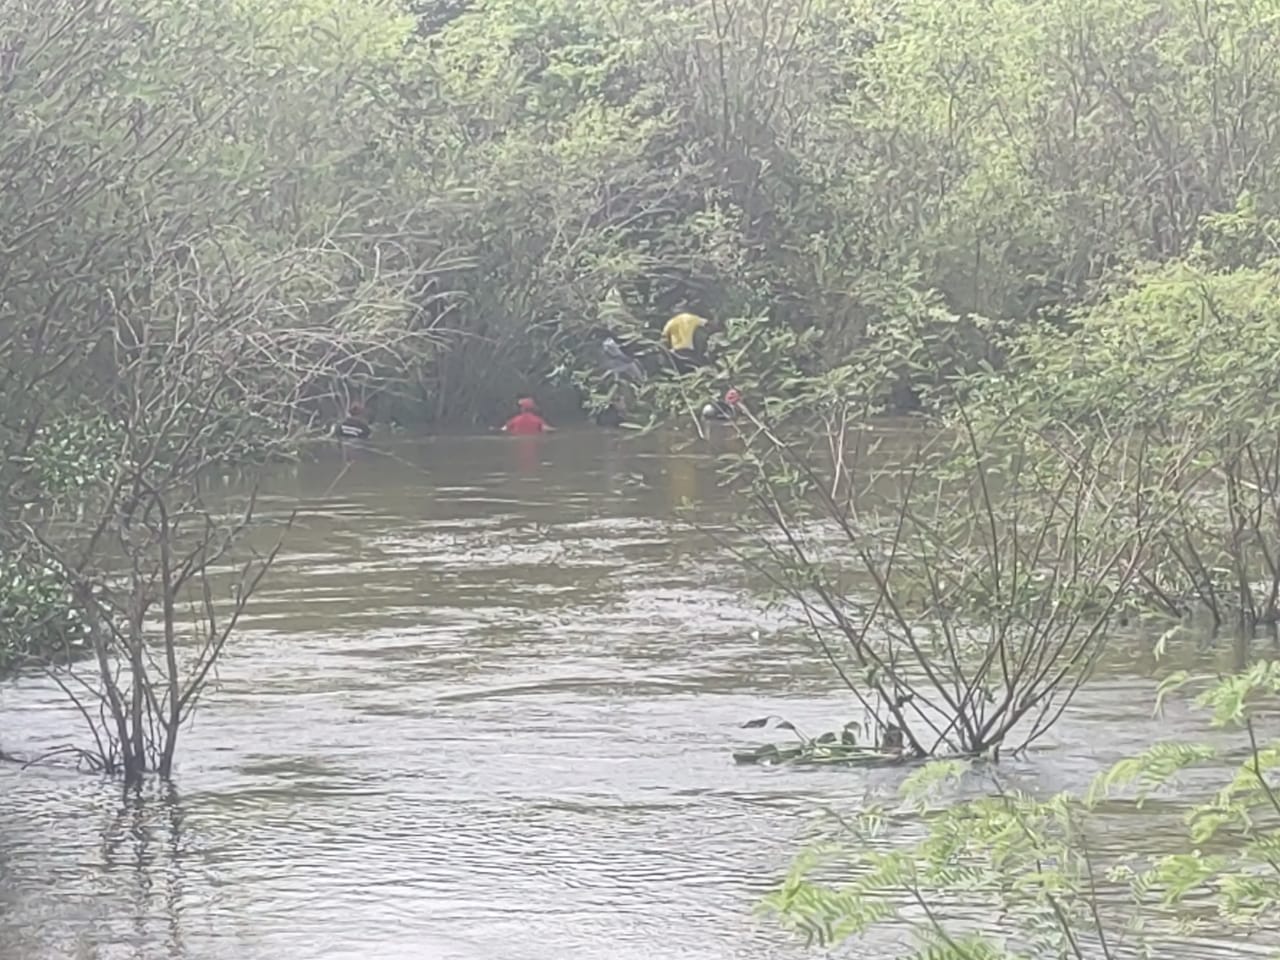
{"type": "Point", "coordinates": [498, 169]}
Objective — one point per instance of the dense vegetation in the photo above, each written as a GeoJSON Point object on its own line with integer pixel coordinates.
{"type": "Point", "coordinates": [499, 169]}
{"type": "Point", "coordinates": [520, 173]}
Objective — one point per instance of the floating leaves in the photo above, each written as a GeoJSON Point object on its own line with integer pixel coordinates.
{"type": "Point", "coordinates": [831, 747]}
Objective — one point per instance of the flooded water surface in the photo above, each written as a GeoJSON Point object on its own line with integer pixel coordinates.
{"type": "Point", "coordinates": [484, 707]}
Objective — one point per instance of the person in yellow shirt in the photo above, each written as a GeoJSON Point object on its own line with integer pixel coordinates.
{"type": "Point", "coordinates": [681, 335]}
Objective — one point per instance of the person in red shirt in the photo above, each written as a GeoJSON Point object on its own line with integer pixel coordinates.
{"type": "Point", "coordinates": [527, 420]}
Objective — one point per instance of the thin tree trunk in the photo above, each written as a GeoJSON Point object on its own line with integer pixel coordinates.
{"type": "Point", "coordinates": [173, 720]}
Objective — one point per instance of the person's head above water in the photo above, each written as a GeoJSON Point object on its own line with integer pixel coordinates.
{"type": "Point", "coordinates": [527, 404]}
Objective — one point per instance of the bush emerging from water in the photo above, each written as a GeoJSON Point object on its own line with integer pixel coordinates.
{"type": "Point", "coordinates": [931, 862]}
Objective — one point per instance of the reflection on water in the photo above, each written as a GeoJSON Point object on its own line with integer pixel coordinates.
{"type": "Point", "coordinates": [483, 708]}
{"type": "Point", "coordinates": [682, 474]}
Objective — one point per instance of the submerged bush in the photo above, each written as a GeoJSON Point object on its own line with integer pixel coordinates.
{"type": "Point", "coordinates": [930, 862]}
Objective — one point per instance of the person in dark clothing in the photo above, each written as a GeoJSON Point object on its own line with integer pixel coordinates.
{"type": "Point", "coordinates": [610, 416]}
{"type": "Point", "coordinates": [355, 425]}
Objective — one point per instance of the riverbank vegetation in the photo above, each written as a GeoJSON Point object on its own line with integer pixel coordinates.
{"type": "Point", "coordinates": [1117, 472]}
{"type": "Point", "coordinates": [516, 176]}
{"type": "Point", "coordinates": [521, 174]}
{"type": "Point", "coordinates": [1122, 467]}
{"type": "Point", "coordinates": [195, 272]}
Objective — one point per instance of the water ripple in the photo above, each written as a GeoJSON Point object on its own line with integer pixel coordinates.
{"type": "Point", "coordinates": [484, 708]}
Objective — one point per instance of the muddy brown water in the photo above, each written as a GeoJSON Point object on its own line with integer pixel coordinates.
{"type": "Point", "coordinates": [484, 708]}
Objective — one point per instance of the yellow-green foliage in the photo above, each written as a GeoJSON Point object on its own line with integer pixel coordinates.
{"type": "Point", "coordinates": [325, 33]}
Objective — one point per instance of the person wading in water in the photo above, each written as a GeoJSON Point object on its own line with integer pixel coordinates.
{"type": "Point", "coordinates": [527, 421]}
{"type": "Point", "coordinates": [355, 425]}
{"type": "Point", "coordinates": [726, 409]}
{"type": "Point", "coordinates": [618, 363]}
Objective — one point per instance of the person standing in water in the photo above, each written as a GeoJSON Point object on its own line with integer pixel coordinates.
{"type": "Point", "coordinates": [618, 363]}
{"type": "Point", "coordinates": [622, 372]}
{"type": "Point", "coordinates": [355, 425]}
{"type": "Point", "coordinates": [726, 409]}
{"type": "Point", "coordinates": [612, 415]}
{"type": "Point", "coordinates": [527, 421]}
